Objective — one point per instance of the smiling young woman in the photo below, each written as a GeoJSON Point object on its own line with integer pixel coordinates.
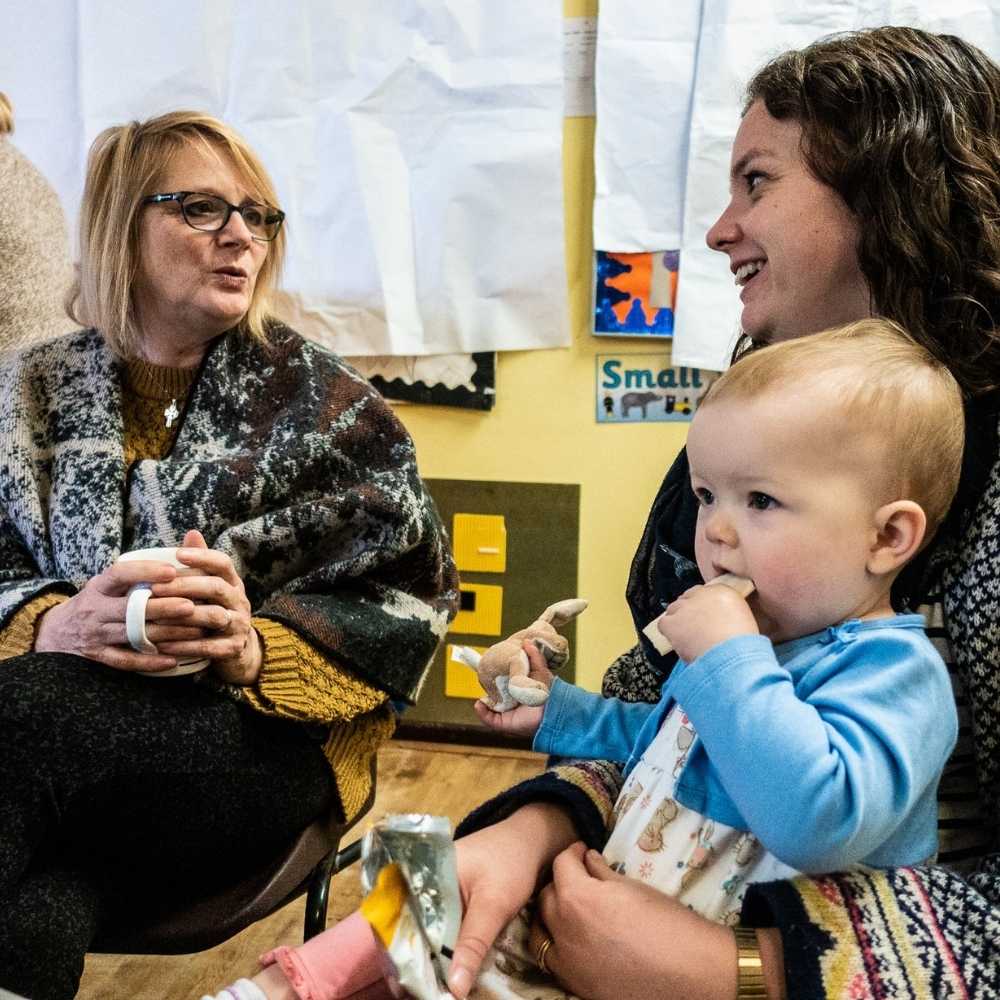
{"type": "Point", "coordinates": [789, 237]}
{"type": "Point", "coordinates": [864, 182]}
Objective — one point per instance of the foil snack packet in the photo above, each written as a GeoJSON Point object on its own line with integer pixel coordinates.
{"type": "Point", "coordinates": [409, 875]}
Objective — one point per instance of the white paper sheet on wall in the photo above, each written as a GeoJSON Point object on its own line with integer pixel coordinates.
{"type": "Point", "coordinates": [416, 146]}
{"type": "Point", "coordinates": [644, 72]}
{"type": "Point", "coordinates": [733, 40]}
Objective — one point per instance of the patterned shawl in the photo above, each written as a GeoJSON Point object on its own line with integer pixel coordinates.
{"type": "Point", "coordinates": [285, 458]}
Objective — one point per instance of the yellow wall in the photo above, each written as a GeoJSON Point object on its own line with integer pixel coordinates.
{"type": "Point", "coordinates": [543, 429]}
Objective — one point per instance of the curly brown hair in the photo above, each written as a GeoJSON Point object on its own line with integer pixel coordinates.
{"type": "Point", "coordinates": [905, 126]}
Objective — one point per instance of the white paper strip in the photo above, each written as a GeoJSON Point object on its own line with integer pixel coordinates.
{"type": "Point", "coordinates": [579, 51]}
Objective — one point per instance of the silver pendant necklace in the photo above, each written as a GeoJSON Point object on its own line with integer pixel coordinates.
{"type": "Point", "coordinates": [171, 413]}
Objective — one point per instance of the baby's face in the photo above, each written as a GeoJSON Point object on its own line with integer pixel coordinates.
{"type": "Point", "coordinates": [788, 502]}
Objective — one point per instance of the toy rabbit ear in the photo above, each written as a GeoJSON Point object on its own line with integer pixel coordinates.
{"type": "Point", "coordinates": [563, 612]}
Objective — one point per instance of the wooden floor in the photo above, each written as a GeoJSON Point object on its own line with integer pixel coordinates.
{"type": "Point", "coordinates": [442, 779]}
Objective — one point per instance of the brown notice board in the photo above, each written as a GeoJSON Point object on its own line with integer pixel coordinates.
{"type": "Point", "coordinates": [542, 521]}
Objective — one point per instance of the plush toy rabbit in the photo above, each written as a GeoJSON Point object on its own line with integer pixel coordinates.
{"type": "Point", "coordinates": [503, 668]}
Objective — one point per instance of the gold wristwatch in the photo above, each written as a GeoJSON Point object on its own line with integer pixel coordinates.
{"type": "Point", "coordinates": [749, 968]}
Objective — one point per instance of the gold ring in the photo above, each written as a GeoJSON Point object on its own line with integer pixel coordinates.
{"type": "Point", "coordinates": [543, 950]}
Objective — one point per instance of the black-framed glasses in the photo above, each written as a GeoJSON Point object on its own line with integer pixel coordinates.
{"type": "Point", "coordinates": [210, 213]}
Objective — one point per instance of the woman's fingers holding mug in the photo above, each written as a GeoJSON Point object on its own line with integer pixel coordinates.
{"type": "Point", "coordinates": [233, 647]}
{"type": "Point", "coordinates": [92, 622]}
{"type": "Point", "coordinates": [223, 634]}
{"type": "Point", "coordinates": [209, 618]}
{"type": "Point", "coordinates": [123, 574]}
{"type": "Point", "coordinates": [115, 633]}
{"type": "Point", "coordinates": [170, 610]}
{"type": "Point", "coordinates": [124, 658]}
{"type": "Point", "coordinates": [195, 554]}
{"type": "Point", "coordinates": [207, 591]}
{"type": "Point", "coordinates": [160, 634]}
{"type": "Point", "coordinates": [106, 641]}
{"type": "Point", "coordinates": [211, 562]}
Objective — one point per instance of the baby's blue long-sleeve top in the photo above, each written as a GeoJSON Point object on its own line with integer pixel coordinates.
{"type": "Point", "coordinates": [827, 748]}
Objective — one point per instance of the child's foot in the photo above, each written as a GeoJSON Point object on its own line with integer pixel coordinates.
{"type": "Point", "coordinates": [345, 961]}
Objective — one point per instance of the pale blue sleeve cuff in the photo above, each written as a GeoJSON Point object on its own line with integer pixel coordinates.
{"type": "Point", "coordinates": [580, 723]}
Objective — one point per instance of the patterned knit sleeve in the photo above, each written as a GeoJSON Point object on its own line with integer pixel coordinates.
{"type": "Point", "coordinates": [904, 932]}
{"type": "Point", "coordinates": [21, 582]}
{"type": "Point", "coordinates": [586, 789]}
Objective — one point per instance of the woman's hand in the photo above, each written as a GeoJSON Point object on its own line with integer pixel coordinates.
{"type": "Point", "coordinates": [92, 622]}
{"type": "Point", "coordinates": [614, 938]}
{"type": "Point", "coordinates": [221, 611]}
{"type": "Point", "coordinates": [499, 868]}
{"type": "Point", "coordinates": [704, 616]}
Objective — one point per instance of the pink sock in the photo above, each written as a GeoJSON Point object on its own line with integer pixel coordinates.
{"type": "Point", "coordinates": [345, 961]}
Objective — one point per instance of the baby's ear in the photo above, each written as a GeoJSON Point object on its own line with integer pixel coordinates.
{"type": "Point", "coordinates": [900, 528]}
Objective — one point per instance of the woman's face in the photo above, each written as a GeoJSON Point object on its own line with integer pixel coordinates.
{"type": "Point", "coordinates": [194, 285]}
{"type": "Point", "coordinates": [790, 239]}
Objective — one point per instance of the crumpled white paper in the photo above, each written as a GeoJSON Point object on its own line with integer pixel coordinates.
{"type": "Point", "coordinates": [415, 146]}
{"type": "Point", "coordinates": [644, 78]}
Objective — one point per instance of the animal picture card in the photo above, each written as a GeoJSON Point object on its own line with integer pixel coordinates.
{"type": "Point", "coordinates": [640, 388]}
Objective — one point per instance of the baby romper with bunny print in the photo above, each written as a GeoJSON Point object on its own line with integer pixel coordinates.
{"type": "Point", "coordinates": [827, 748]}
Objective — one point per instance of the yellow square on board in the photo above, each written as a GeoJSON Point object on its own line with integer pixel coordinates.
{"type": "Point", "coordinates": [480, 542]}
{"type": "Point", "coordinates": [460, 681]}
{"type": "Point", "coordinates": [485, 610]}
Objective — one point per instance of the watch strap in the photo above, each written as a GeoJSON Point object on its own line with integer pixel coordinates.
{"type": "Point", "coordinates": [749, 967]}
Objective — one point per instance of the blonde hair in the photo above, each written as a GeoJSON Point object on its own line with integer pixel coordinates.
{"type": "Point", "coordinates": [125, 164]}
{"type": "Point", "coordinates": [6, 115]}
{"type": "Point", "coordinates": [886, 384]}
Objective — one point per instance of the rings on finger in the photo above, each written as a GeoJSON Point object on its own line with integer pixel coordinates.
{"type": "Point", "coordinates": [543, 950]}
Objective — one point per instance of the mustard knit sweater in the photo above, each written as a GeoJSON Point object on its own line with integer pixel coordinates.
{"type": "Point", "coordinates": [296, 681]}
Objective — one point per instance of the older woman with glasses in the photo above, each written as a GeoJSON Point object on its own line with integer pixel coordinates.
{"type": "Point", "coordinates": [185, 416]}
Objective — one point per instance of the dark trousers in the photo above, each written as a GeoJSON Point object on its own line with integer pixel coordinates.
{"type": "Point", "coordinates": [119, 792]}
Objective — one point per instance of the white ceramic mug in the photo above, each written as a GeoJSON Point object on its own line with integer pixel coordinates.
{"type": "Point", "coordinates": [135, 610]}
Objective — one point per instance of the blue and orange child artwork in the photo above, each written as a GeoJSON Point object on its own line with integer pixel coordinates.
{"type": "Point", "coordinates": [635, 293]}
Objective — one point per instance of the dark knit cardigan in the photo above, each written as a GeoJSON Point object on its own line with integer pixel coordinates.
{"type": "Point", "coordinates": [910, 932]}
{"type": "Point", "coordinates": [285, 459]}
